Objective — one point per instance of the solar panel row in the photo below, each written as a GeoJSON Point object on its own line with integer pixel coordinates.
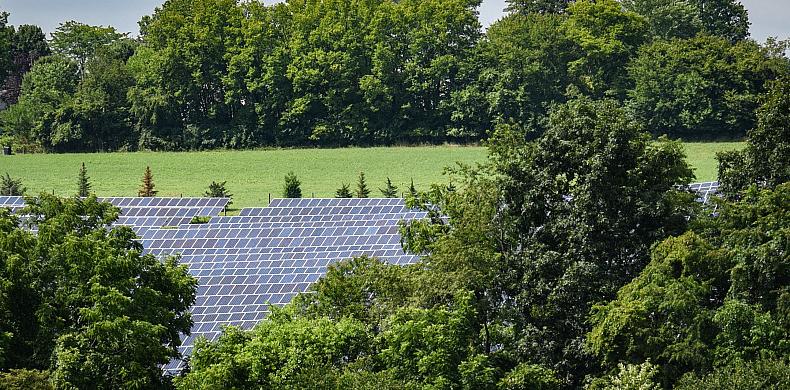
{"type": "Point", "coordinates": [266, 256]}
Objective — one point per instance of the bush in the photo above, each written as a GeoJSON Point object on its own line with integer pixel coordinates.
{"type": "Point", "coordinates": [292, 186]}
{"type": "Point", "coordinates": [11, 187]}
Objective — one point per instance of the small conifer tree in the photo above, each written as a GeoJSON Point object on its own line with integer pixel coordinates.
{"type": "Point", "coordinates": [390, 190]}
{"type": "Point", "coordinates": [412, 189]}
{"type": "Point", "coordinates": [11, 187]}
{"type": "Point", "coordinates": [362, 187]}
{"type": "Point", "coordinates": [292, 186]}
{"type": "Point", "coordinates": [147, 187]}
{"type": "Point", "coordinates": [218, 190]}
{"type": "Point", "coordinates": [344, 191]}
{"type": "Point", "coordinates": [83, 183]}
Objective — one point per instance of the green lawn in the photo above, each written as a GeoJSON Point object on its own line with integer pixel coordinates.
{"type": "Point", "coordinates": [252, 175]}
{"type": "Point", "coordinates": [702, 156]}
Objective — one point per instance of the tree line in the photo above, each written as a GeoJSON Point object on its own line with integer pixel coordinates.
{"type": "Point", "coordinates": [227, 74]}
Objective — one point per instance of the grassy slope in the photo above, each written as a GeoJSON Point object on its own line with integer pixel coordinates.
{"type": "Point", "coordinates": [252, 175]}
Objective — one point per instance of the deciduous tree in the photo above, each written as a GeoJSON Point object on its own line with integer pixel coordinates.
{"type": "Point", "coordinates": [80, 299]}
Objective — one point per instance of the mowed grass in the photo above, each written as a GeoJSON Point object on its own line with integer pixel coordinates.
{"type": "Point", "coordinates": [252, 175]}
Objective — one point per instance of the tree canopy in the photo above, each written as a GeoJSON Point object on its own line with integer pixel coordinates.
{"type": "Point", "coordinates": [80, 300]}
{"type": "Point", "coordinates": [210, 74]}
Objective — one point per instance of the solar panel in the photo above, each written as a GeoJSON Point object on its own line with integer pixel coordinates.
{"type": "Point", "coordinates": [268, 255]}
{"type": "Point", "coordinates": [705, 190]}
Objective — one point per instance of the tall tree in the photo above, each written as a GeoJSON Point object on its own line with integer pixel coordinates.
{"type": "Point", "coordinates": [49, 85]}
{"type": "Point", "coordinates": [83, 183]}
{"type": "Point", "coordinates": [29, 44]}
{"type": "Point", "coordinates": [552, 227]}
{"type": "Point", "coordinates": [362, 187]}
{"type": "Point", "coordinates": [519, 71]}
{"type": "Point", "coordinates": [147, 186]}
{"type": "Point", "coordinates": [724, 18]}
{"type": "Point", "coordinates": [80, 41]}
{"type": "Point", "coordinates": [668, 19]}
{"type": "Point", "coordinates": [608, 38]}
{"type": "Point", "coordinates": [80, 299]}
{"type": "Point", "coordinates": [179, 99]}
{"type": "Point", "coordinates": [537, 6]}
{"type": "Point", "coordinates": [702, 86]}
{"type": "Point", "coordinates": [97, 118]}
{"type": "Point", "coordinates": [6, 44]}
{"type": "Point", "coordinates": [766, 160]}
{"type": "Point", "coordinates": [709, 298]}
{"type": "Point", "coordinates": [293, 187]}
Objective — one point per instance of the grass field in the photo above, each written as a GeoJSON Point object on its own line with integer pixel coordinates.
{"type": "Point", "coordinates": [252, 175]}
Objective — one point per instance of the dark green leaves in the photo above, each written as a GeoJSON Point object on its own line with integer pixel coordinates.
{"type": "Point", "coordinates": [79, 298]}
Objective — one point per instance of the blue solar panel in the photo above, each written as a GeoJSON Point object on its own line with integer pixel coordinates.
{"type": "Point", "coordinates": [268, 255]}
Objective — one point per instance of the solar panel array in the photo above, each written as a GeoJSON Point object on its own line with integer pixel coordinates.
{"type": "Point", "coordinates": [15, 203]}
{"type": "Point", "coordinates": [705, 190]}
{"type": "Point", "coordinates": [267, 255]}
{"type": "Point", "coordinates": [142, 214]}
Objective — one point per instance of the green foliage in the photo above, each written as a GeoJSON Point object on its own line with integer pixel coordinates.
{"type": "Point", "coordinates": [760, 374]}
{"type": "Point", "coordinates": [529, 376]}
{"type": "Point", "coordinates": [607, 37]}
{"type": "Point", "coordinates": [362, 187]}
{"type": "Point", "coordinates": [344, 191]}
{"type": "Point", "coordinates": [629, 377]}
{"type": "Point", "coordinates": [209, 74]}
{"type": "Point", "coordinates": [23, 379]}
{"type": "Point", "coordinates": [412, 189]}
{"type": "Point", "coordinates": [702, 86]}
{"type": "Point", "coordinates": [147, 186]}
{"type": "Point", "coordinates": [390, 190]}
{"type": "Point", "coordinates": [284, 351]}
{"type": "Point", "coordinates": [78, 297]}
{"type": "Point", "coordinates": [23, 47]}
{"type": "Point", "coordinates": [361, 288]}
{"type": "Point", "coordinates": [766, 159]}
{"type": "Point", "coordinates": [668, 19]}
{"type": "Point", "coordinates": [546, 229]}
{"type": "Point", "coordinates": [706, 299]}
{"type": "Point", "coordinates": [10, 186]}
{"type": "Point", "coordinates": [83, 182]}
{"type": "Point", "coordinates": [6, 42]}
{"type": "Point", "coordinates": [537, 6]}
{"type": "Point", "coordinates": [80, 41]}
{"type": "Point", "coordinates": [292, 187]}
{"type": "Point", "coordinates": [50, 83]}
{"type": "Point", "coordinates": [218, 190]}
{"type": "Point", "coordinates": [723, 18]}
{"type": "Point", "coordinates": [504, 88]}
